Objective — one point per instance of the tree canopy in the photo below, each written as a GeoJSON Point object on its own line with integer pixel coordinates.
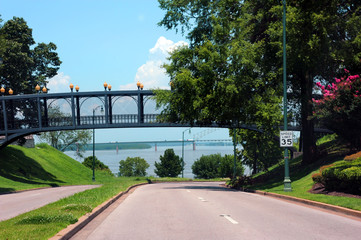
{"type": "Point", "coordinates": [231, 70]}
{"type": "Point", "coordinates": [24, 64]}
{"type": "Point", "coordinates": [170, 165]}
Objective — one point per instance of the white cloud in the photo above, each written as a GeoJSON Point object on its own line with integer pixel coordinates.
{"type": "Point", "coordinates": [151, 74]}
{"type": "Point", "coordinates": [59, 83]}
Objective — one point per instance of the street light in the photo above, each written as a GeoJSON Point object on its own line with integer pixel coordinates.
{"type": "Point", "coordinates": [101, 110]}
{"type": "Point", "coordinates": [287, 181]}
{"type": "Point", "coordinates": [183, 149]}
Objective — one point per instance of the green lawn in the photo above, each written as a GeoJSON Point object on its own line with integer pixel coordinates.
{"type": "Point", "coordinates": [332, 151]}
{"type": "Point", "coordinates": [43, 166]}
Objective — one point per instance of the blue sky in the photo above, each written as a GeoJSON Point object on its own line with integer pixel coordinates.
{"type": "Point", "coordinates": [113, 41]}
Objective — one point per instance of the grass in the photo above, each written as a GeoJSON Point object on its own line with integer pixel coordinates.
{"type": "Point", "coordinates": [331, 150]}
{"type": "Point", "coordinates": [46, 221]}
{"type": "Point", "coordinates": [43, 166]}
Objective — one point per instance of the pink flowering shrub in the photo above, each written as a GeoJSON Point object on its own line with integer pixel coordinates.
{"type": "Point", "coordinates": [340, 108]}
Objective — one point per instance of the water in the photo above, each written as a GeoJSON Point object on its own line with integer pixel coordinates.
{"type": "Point", "coordinates": [111, 158]}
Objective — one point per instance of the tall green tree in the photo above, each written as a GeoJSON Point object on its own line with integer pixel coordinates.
{"type": "Point", "coordinates": [170, 165]}
{"type": "Point", "coordinates": [25, 64]}
{"type": "Point", "coordinates": [232, 69]}
{"type": "Point", "coordinates": [219, 77]}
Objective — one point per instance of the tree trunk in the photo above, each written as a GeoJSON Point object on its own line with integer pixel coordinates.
{"type": "Point", "coordinates": [308, 137]}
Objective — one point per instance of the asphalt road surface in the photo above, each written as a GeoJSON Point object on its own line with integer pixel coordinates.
{"type": "Point", "coordinates": [208, 211]}
{"type": "Point", "coordinates": [14, 204]}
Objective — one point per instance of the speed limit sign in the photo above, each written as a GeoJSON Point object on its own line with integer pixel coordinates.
{"type": "Point", "coordinates": [286, 138]}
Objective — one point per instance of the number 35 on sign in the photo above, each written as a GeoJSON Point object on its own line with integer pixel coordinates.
{"type": "Point", "coordinates": [286, 138]}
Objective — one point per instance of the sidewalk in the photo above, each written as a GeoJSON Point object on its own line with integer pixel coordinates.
{"type": "Point", "coordinates": [14, 204]}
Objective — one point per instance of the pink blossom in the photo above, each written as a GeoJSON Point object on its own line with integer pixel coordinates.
{"type": "Point", "coordinates": [338, 80]}
{"type": "Point", "coordinates": [346, 71]}
{"type": "Point", "coordinates": [318, 84]}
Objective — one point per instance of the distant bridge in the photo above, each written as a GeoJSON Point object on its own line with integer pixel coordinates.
{"type": "Point", "coordinates": [22, 115]}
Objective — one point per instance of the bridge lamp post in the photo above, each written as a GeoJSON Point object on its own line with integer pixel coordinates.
{"type": "Point", "coordinates": [287, 180]}
{"type": "Point", "coordinates": [101, 110]}
{"type": "Point", "coordinates": [183, 150]}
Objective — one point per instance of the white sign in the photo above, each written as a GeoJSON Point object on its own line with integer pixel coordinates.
{"type": "Point", "coordinates": [286, 138]}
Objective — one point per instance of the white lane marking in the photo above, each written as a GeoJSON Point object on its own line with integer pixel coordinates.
{"type": "Point", "coordinates": [188, 191]}
{"type": "Point", "coordinates": [202, 199]}
{"type": "Point", "coordinates": [229, 218]}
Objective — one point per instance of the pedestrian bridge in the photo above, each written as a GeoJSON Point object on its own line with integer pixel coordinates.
{"type": "Point", "coordinates": [22, 115]}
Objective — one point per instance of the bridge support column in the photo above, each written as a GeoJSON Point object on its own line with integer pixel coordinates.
{"type": "Point", "coordinates": [140, 107]}
{"type": "Point", "coordinates": [77, 110]}
{"type": "Point", "coordinates": [194, 146]}
{"type": "Point", "coordinates": [5, 120]}
{"type": "Point", "coordinates": [155, 147]}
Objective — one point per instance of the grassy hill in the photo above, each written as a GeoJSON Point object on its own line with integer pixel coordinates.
{"type": "Point", "coordinates": [332, 150]}
{"type": "Point", "coordinates": [42, 166]}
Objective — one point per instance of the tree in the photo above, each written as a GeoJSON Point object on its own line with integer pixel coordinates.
{"type": "Point", "coordinates": [133, 167]}
{"type": "Point", "coordinates": [61, 140]}
{"type": "Point", "coordinates": [170, 165]}
{"type": "Point", "coordinates": [217, 78]}
{"type": "Point", "coordinates": [340, 108]}
{"type": "Point", "coordinates": [25, 66]}
{"type": "Point", "coordinates": [234, 61]}
{"type": "Point", "coordinates": [98, 165]}
{"type": "Point", "coordinates": [259, 149]}
{"type": "Point", "coordinates": [214, 166]}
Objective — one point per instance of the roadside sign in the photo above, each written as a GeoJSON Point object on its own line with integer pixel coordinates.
{"type": "Point", "coordinates": [286, 138]}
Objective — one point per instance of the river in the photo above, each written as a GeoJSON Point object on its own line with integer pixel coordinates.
{"type": "Point", "coordinates": [111, 158]}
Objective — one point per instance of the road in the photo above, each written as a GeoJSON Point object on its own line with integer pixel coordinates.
{"type": "Point", "coordinates": [208, 211]}
{"type": "Point", "coordinates": [14, 204]}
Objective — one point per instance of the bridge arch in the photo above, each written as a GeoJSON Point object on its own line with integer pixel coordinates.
{"type": "Point", "coordinates": [37, 120]}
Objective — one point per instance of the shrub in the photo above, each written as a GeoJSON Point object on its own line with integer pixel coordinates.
{"type": "Point", "coordinates": [207, 166]}
{"type": "Point", "coordinates": [170, 165]}
{"type": "Point", "coordinates": [133, 167]}
{"type": "Point", "coordinates": [240, 182]}
{"type": "Point", "coordinates": [340, 108]}
{"type": "Point", "coordinates": [317, 178]}
{"type": "Point", "coordinates": [98, 165]}
{"type": "Point", "coordinates": [342, 176]}
{"type": "Point", "coordinates": [214, 166]}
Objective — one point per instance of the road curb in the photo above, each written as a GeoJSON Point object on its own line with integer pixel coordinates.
{"type": "Point", "coordinates": [72, 229]}
{"type": "Point", "coordinates": [326, 206]}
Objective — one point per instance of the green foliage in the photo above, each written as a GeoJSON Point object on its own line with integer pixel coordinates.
{"type": "Point", "coordinates": [207, 166]}
{"type": "Point", "coordinates": [232, 69]}
{"type": "Point", "coordinates": [133, 167]}
{"type": "Point", "coordinates": [213, 78]}
{"type": "Point", "coordinates": [260, 150]}
{"type": "Point", "coordinates": [24, 66]}
{"type": "Point", "coordinates": [344, 176]}
{"type": "Point", "coordinates": [98, 165]}
{"type": "Point", "coordinates": [71, 139]}
{"type": "Point", "coordinates": [216, 166]}
{"type": "Point", "coordinates": [170, 165]}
